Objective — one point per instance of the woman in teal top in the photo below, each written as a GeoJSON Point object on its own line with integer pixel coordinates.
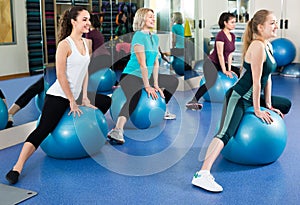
{"type": "Point", "coordinates": [259, 64]}
{"type": "Point", "coordinates": [177, 31]}
{"type": "Point", "coordinates": [141, 72]}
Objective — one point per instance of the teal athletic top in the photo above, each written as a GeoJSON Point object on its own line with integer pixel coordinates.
{"type": "Point", "coordinates": [178, 30]}
{"type": "Point", "coordinates": [244, 86]}
{"type": "Point", "coordinates": [150, 43]}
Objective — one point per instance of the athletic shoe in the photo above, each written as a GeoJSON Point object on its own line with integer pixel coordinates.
{"type": "Point", "coordinates": [206, 181]}
{"type": "Point", "coordinates": [116, 135]}
{"type": "Point", "coordinates": [9, 124]}
{"type": "Point", "coordinates": [12, 176]}
{"type": "Point", "coordinates": [10, 121]}
{"type": "Point", "coordinates": [192, 105]}
{"type": "Point", "coordinates": [169, 116]}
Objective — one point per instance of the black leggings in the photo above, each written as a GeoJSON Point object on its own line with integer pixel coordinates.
{"type": "Point", "coordinates": [102, 102]}
{"type": "Point", "coordinates": [32, 91]}
{"type": "Point", "coordinates": [53, 110]}
{"type": "Point", "coordinates": [2, 95]}
{"type": "Point", "coordinates": [210, 71]}
{"type": "Point", "coordinates": [132, 88]}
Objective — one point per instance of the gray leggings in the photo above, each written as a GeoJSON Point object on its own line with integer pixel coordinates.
{"type": "Point", "coordinates": [132, 87]}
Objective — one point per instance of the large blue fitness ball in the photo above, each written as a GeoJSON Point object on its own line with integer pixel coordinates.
{"type": "Point", "coordinates": [219, 89]}
{"type": "Point", "coordinates": [3, 114]}
{"type": "Point", "coordinates": [148, 112]}
{"type": "Point", "coordinates": [178, 65]}
{"type": "Point", "coordinates": [284, 51]}
{"type": "Point", "coordinates": [77, 137]}
{"type": "Point", "coordinates": [256, 142]}
{"type": "Point", "coordinates": [102, 80]}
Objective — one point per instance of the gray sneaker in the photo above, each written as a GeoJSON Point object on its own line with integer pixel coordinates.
{"type": "Point", "coordinates": [116, 135]}
{"type": "Point", "coordinates": [194, 105]}
{"type": "Point", "coordinates": [169, 116]}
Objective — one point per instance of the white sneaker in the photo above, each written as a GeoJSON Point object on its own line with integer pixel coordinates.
{"type": "Point", "coordinates": [169, 116]}
{"type": "Point", "coordinates": [206, 181]}
{"type": "Point", "coordinates": [116, 135]}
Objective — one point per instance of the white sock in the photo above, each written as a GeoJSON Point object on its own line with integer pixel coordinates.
{"type": "Point", "coordinates": [204, 172]}
{"type": "Point", "coordinates": [10, 117]}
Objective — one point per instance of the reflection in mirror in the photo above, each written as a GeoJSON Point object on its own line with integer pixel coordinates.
{"type": "Point", "coordinates": [240, 8]}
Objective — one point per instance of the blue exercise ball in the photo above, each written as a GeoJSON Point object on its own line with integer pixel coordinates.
{"type": "Point", "coordinates": [178, 65]}
{"type": "Point", "coordinates": [284, 51]}
{"type": "Point", "coordinates": [3, 114]}
{"type": "Point", "coordinates": [77, 137]}
{"type": "Point", "coordinates": [148, 112]}
{"type": "Point", "coordinates": [256, 142]}
{"type": "Point", "coordinates": [39, 101]}
{"type": "Point", "coordinates": [101, 81]}
{"type": "Point", "coordinates": [198, 67]}
{"type": "Point", "coordinates": [219, 89]}
{"type": "Point", "coordinates": [291, 70]}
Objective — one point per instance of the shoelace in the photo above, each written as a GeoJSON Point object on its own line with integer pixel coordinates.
{"type": "Point", "coordinates": [211, 177]}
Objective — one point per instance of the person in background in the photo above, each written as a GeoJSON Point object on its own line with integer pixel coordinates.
{"type": "Point", "coordinates": [219, 60]}
{"type": "Point", "coordinates": [141, 72]}
{"type": "Point", "coordinates": [259, 64]}
{"type": "Point", "coordinates": [72, 59]}
{"type": "Point", "coordinates": [94, 34]}
{"type": "Point", "coordinates": [122, 27]}
{"type": "Point", "coordinates": [177, 30]}
{"type": "Point", "coordinates": [24, 99]}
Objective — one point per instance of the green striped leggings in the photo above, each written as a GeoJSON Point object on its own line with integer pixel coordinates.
{"type": "Point", "coordinates": [234, 108]}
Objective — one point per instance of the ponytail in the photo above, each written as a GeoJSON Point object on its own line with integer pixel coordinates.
{"type": "Point", "coordinates": [251, 31]}
{"type": "Point", "coordinates": [247, 37]}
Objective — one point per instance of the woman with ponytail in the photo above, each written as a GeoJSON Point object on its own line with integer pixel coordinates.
{"type": "Point", "coordinates": [72, 60]}
{"type": "Point", "coordinates": [258, 64]}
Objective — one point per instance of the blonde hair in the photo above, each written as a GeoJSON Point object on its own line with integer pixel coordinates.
{"type": "Point", "coordinates": [177, 16]}
{"type": "Point", "coordinates": [259, 18]}
{"type": "Point", "coordinates": [140, 18]}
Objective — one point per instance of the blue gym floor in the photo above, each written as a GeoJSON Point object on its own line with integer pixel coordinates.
{"type": "Point", "coordinates": [155, 166]}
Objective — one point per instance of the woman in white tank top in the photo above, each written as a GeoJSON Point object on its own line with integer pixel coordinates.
{"type": "Point", "coordinates": [72, 59]}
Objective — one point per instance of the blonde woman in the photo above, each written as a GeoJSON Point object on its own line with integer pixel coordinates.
{"type": "Point", "coordinates": [141, 72]}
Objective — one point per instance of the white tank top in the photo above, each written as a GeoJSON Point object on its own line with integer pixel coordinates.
{"type": "Point", "coordinates": [77, 66]}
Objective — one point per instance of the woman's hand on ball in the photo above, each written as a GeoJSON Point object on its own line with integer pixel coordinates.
{"type": "Point", "coordinates": [228, 74]}
{"type": "Point", "coordinates": [277, 111]}
{"type": "Point", "coordinates": [74, 109]}
{"type": "Point", "coordinates": [151, 92]}
{"type": "Point", "coordinates": [265, 116]}
{"type": "Point", "coordinates": [157, 88]}
{"type": "Point", "coordinates": [86, 102]}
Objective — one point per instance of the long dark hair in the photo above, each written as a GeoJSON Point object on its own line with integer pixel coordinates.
{"type": "Point", "coordinates": [226, 16]}
{"type": "Point", "coordinates": [65, 26]}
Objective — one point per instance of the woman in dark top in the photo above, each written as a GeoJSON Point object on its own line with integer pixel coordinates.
{"type": "Point", "coordinates": [219, 60]}
{"type": "Point", "coordinates": [94, 34]}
